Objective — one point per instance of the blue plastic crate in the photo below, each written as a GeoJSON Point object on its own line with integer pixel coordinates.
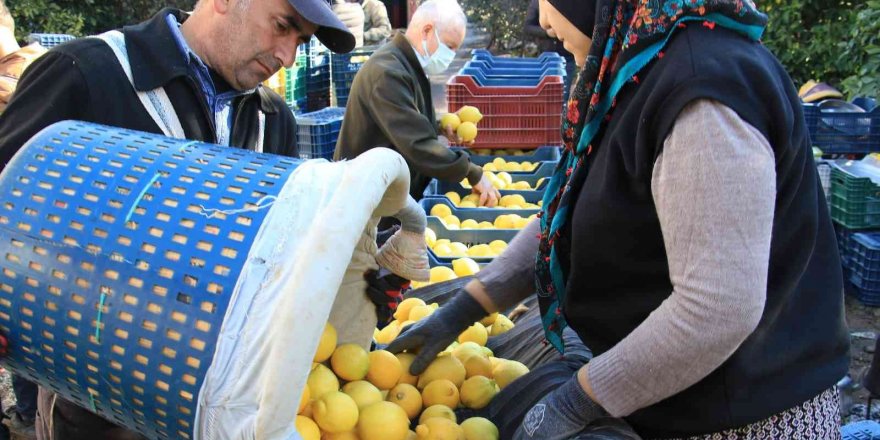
{"type": "Point", "coordinates": [49, 40]}
{"type": "Point", "coordinates": [864, 430]}
{"type": "Point", "coordinates": [351, 62]}
{"type": "Point", "coordinates": [530, 197]}
{"type": "Point", "coordinates": [544, 58]}
{"type": "Point", "coordinates": [843, 132]}
{"type": "Point", "coordinates": [546, 153]}
{"type": "Point", "coordinates": [316, 151]}
{"type": "Point", "coordinates": [543, 174]}
{"type": "Point", "coordinates": [477, 214]}
{"type": "Point", "coordinates": [317, 133]}
{"type": "Point", "coordinates": [544, 168]}
{"type": "Point", "coordinates": [866, 250]}
{"type": "Point", "coordinates": [469, 237]}
{"type": "Point", "coordinates": [557, 69]}
{"type": "Point", "coordinates": [433, 261]}
{"type": "Point", "coordinates": [501, 80]}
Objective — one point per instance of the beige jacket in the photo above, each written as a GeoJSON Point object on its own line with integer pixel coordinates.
{"type": "Point", "coordinates": [11, 68]}
{"type": "Point", "coordinates": [352, 15]}
{"type": "Point", "coordinates": [377, 27]}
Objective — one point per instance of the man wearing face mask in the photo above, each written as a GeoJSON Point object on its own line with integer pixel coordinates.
{"type": "Point", "coordinates": [390, 102]}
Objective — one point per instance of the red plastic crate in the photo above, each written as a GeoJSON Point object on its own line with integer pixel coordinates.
{"type": "Point", "coordinates": [513, 117]}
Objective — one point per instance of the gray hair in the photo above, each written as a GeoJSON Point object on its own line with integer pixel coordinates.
{"type": "Point", "coordinates": [443, 14]}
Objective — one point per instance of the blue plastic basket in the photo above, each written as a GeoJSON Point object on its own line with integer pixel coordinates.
{"type": "Point", "coordinates": [544, 58]}
{"type": "Point", "coordinates": [864, 430]}
{"type": "Point", "coordinates": [317, 132]}
{"type": "Point", "coordinates": [864, 262]}
{"type": "Point", "coordinates": [469, 237]}
{"type": "Point", "coordinates": [116, 276]}
{"type": "Point", "coordinates": [433, 261]}
{"type": "Point", "coordinates": [843, 132]}
{"type": "Point", "coordinates": [546, 153]}
{"type": "Point", "coordinates": [555, 68]}
{"type": "Point", "coordinates": [49, 40]}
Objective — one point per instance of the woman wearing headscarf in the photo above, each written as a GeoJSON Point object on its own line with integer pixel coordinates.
{"type": "Point", "coordinates": [683, 237]}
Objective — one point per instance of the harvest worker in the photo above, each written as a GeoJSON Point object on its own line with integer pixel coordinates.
{"type": "Point", "coordinates": [390, 102]}
{"type": "Point", "coordinates": [684, 237]}
{"type": "Point", "coordinates": [14, 59]}
{"type": "Point", "coordinates": [186, 76]}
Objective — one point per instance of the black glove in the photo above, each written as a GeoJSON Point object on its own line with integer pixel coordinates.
{"type": "Point", "coordinates": [434, 333]}
{"type": "Point", "coordinates": [561, 414]}
{"type": "Point", "coordinates": [385, 290]}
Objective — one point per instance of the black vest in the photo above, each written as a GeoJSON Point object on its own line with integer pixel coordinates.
{"type": "Point", "coordinates": [618, 271]}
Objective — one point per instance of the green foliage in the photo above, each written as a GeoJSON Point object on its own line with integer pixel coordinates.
{"type": "Point", "coordinates": [834, 41]}
{"type": "Point", "coordinates": [502, 19]}
{"type": "Point", "coordinates": [83, 17]}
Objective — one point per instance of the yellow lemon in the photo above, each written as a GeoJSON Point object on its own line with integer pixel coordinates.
{"type": "Point", "coordinates": [475, 333]}
{"type": "Point", "coordinates": [363, 393]}
{"type": "Point", "coordinates": [465, 267]}
{"type": "Point", "coordinates": [383, 421]}
{"type": "Point", "coordinates": [477, 392]}
{"type": "Point", "coordinates": [497, 246]}
{"type": "Point", "coordinates": [501, 325]}
{"type": "Point", "coordinates": [486, 225]}
{"type": "Point", "coordinates": [387, 334]}
{"type": "Point", "coordinates": [508, 371]}
{"type": "Point", "coordinates": [442, 250]}
{"type": "Point", "coordinates": [467, 204]}
{"type": "Point", "coordinates": [335, 412]}
{"type": "Point", "coordinates": [402, 312]}
{"type": "Point", "coordinates": [307, 428]}
{"type": "Point", "coordinates": [489, 320]}
{"type": "Point", "coordinates": [406, 360]}
{"type": "Point", "coordinates": [350, 362]}
{"type": "Point", "coordinates": [521, 223]}
{"type": "Point", "coordinates": [430, 237]}
{"type": "Point", "coordinates": [499, 163]}
{"type": "Point", "coordinates": [454, 197]}
{"type": "Point", "coordinates": [440, 411]}
{"type": "Point", "coordinates": [521, 185]}
{"type": "Point", "coordinates": [440, 274]}
{"type": "Point", "coordinates": [441, 392]}
{"type": "Point", "coordinates": [480, 251]}
{"type": "Point", "coordinates": [451, 220]}
{"type": "Point", "coordinates": [321, 381]}
{"type": "Point", "coordinates": [470, 114]}
{"type": "Point", "coordinates": [512, 199]}
{"type": "Point", "coordinates": [470, 224]}
{"type": "Point", "coordinates": [467, 131]}
{"type": "Point", "coordinates": [348, 435]}
{"type": "Point", "coordinates": [465, 350]}
{"type": "Point", "coordinates": [458, 249]}
{"type": "Point", "coordinates": [490, 167]}
{"type": "Point", "coordinates": [304, 399]}
{"type": "Point", "coordinates": [471, 198]}
{"type": "Point", "coordinates": [513, 167]}
{"type": "Point", "coordinates": [504, 221]}
{"type": "Point", "coordinates": [384, 370]}
{"type": "Point", "coordinates": [446, 367]}
{"type": "Point", "coordinates": [479, 428]}
{"type": "Point", "coordinates": [420, 312]}
{"type": "Point", "coordinates": [478, 365]}
{"type": "Point", "coordinates": [441, 210]}
{"type": "Point", "coordinates": [407, 397]}
{"type": "Point", "coordinates": [450, 121]}
{"type": "Point", "coordinates": [439, 429]}
{"type": "Point", "coordinates": [326, 345]}
{"type": "Point", "coordinates": [442, 241]}
{"type": "Point", "coordinates": [506, 177]}
{"type": "Point", "coordinates": [412, 435]}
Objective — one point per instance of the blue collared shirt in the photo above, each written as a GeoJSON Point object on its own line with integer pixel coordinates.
{"type": "Point", "coordinates": [219, 104]}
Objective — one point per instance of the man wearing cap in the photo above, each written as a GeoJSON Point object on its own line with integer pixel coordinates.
{"type": "Point", "coordinates": [195, 76]}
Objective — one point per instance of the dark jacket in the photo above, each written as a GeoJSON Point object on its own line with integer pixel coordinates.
{"type": "Point", "coordinates": [618, 271]}
{"type": "Point", "coordinates": [83, 80]}
{"type": "Point", "coordinates": [390, 106]}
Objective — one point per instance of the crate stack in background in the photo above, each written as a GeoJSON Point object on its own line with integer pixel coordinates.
{"type": "Point", "coordinates": [521, 99]}
{"type": "Point", "coordinates": [307, 83]}
{"type": "Point", "coordinates": [317, 132]}
{"type": "Point", "coordinates": [344, 67]}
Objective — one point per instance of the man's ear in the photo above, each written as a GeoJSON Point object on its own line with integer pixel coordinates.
{"type": "Point", "coordinates": [221, 6]}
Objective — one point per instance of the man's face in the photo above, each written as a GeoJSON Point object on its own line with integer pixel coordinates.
{"type": "Point", "coordinates": [256, 38]}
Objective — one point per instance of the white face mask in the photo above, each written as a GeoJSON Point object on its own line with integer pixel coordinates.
{"type": "Point", "coordinates": [440, 60]}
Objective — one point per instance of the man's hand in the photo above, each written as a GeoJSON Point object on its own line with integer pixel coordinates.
{"type": "Point", "coordinates": [453, 137]}
{"type": "Point", "coordinates": [434, 333]}
{"type": "Point", "coordinates": [561, 414]}
{"type": "Point", "coordinates": [489, 196]}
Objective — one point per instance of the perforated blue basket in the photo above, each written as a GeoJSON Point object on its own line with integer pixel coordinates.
{"type": "Point", "coordinates": [119, 254]}
{"type": "Point", "coordinates": [49, 40]}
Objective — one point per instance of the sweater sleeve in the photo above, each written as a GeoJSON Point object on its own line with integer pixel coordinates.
{"type": "Point", "coordinates": [714, 187]}
{"type": "Point", "coordinates": [380, 26]}
{"type": "Point", "coordinates": [510, 278]}
{"type": "Point", "coordinates": [393, 108]}
{"type": "Point", "coordinates": [51, 90]}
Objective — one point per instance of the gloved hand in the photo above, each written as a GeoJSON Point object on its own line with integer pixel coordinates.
{"type": "Point", "coordinates": [434, 333]}
{"type": "Point", "coordinates": [489, 196]}
{"type": "Point", "coordinates": [560, 415]}
{"type": "Point", "coordinates": [385, 290]}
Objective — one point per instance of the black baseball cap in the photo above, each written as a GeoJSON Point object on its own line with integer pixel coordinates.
{"type": "Point", "coordinates": [332, 33]}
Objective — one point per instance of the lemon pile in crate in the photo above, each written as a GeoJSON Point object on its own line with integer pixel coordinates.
{"type": "Point", "coordinates": [355, 394]}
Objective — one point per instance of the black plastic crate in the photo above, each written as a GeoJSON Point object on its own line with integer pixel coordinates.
{"type": "Point", "coordinates": [845, 131]}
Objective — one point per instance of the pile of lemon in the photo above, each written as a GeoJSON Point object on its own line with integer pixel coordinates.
{"type": "Point", "coordinates": [452, 222]}
{"type": "Point", "coordinates": [501, 152]}
{"type": "Point", "coordinates": [499, 164]}
{"type": "Point", "coordinates": [504, 180]}
{"type": "Point", "coordinates": [353, 394]}
{"type": "Point", "coordinates": [510, 201]}
{"type": "Point", "coordinates": [464, 122]}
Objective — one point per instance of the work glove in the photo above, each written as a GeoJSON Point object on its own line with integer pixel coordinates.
{"type": "Point", "coordinates": [560, 415]}
{"type": "Point", "coordinates": [434, 333]}
{"type": "Point", "coordinates": [385, 290]}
